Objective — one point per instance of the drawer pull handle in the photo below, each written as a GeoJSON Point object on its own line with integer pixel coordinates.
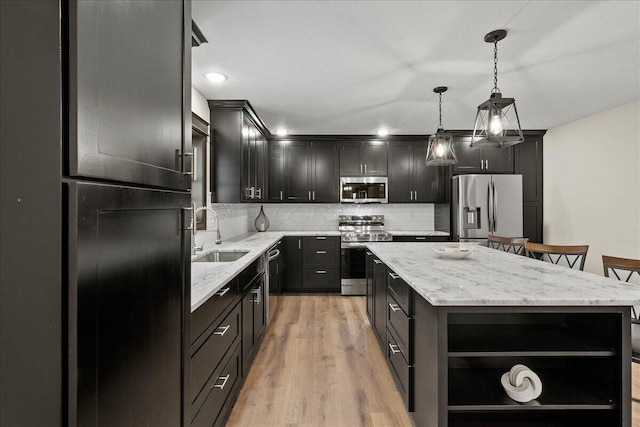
{"type": "Point", "coordinates": [321, 271]}
{"type": "Point", "coordinates": [377, 261]}
{"type": "Point", "coordinates": [222, 292]}
{"type": "Point", "coordinates": [421, 238]}
{"type": "Point", "coordinates": [394, 348]}
{"type": "Point", "coordinates": [223, 330]}
{"type": "Point", "coordinates": [321, 252]}
{"type": "Point", "coordinates": [321, 238]}
{"type": "Point", "coordinates": [394, 307]}
{"type": "Point", "coordinates": [224, 382]}
{"type": "Point", "coordinates": [369, 253]}
{"type": "Point", "coordinates": [394, 276]}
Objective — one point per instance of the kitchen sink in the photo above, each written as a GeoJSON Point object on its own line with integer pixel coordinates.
{"type": "Point", "coordinates": [221, 256]}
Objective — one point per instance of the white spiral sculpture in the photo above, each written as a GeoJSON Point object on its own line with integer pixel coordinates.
{"type": "Point", "coordinates": [521, 384]}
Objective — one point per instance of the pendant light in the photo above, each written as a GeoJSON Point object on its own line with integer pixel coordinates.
{"type": "Point", "coordinates": [440, 149]}
{"type": "Point", "coordinates": [497, 123]}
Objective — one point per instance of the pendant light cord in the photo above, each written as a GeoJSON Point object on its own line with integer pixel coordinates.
{"type": "Point", "coordinates": [495, 68]}
{"type": "Point", "coordinates": [440, 110]}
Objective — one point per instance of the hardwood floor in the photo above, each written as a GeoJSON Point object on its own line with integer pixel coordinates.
{"type": "Point", "coordinates": [320, 365]}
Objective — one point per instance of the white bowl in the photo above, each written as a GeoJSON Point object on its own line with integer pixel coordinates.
{"type": "Point", "coordinates": [454, 252]}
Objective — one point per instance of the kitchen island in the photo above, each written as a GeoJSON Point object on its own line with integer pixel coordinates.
{"type": "Point", "coordinates": [452, 328]}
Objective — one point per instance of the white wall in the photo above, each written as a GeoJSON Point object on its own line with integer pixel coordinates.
{"type": "Point", "coordinates": [592, 184]}
{"type": "Point", "coordinates": [199, 105]}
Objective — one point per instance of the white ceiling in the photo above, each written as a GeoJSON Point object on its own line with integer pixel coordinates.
{"type": "Point", "coordinates": [351, 67]}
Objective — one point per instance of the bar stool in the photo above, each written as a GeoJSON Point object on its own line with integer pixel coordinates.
{"type": "Point", "coordinates": [570, 256]}
{"type": "Point", "coordinates": [514, 245]}
{"type": "Point", "coordinates": [627, 270]}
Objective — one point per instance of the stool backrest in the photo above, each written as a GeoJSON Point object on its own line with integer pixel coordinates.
{"type": "Point", "coordinates": [625, 270]}
{"type": "Point", "coordinates": [569, 256]}
{"type": "Point", "coordinates": [514, 245]}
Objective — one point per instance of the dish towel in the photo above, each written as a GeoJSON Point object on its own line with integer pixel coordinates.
{"type": "Point", "coordinates": [521, 384]}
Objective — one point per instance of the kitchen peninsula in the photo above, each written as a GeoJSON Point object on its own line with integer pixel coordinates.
{"type": "Point", "coordinates": [451, 328]}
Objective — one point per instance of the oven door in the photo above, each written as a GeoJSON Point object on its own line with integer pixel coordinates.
{"type": "Point", "coordinates": [353, 271]}
{"type": "Point", "coordinates": [364, 190]}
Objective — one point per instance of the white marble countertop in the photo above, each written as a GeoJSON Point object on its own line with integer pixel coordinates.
{"type": "Point", "coordinates": [491, 277]}
{"type": "Point", "coordinates": [418, 233]}
{"type": "Point", "coordinates": [208, 277]}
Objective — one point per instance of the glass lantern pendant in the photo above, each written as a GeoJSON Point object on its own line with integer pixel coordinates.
{"type": "Point", "coordinates": [440, 149]}
{"type": "Point", "coordinates": [497, 122]}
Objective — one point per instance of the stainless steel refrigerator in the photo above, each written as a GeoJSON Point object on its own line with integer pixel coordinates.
{"type": "Point", "coordinates": [486, 204]}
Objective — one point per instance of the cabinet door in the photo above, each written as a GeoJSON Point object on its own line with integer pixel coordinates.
{"type": "Point", "coordinates": [369, 267]}
{"type": "Point", "coordinates": [129, 91]}
{"type": "Point", "coordinates": [380, 299]}
{"type": "Point", "coordinates": [247, 331]}
{"type": "Point", "coordinates": [374, 158]}
{"type": "Point", "coordinates": [129, 299]}
{"type": "Point", "coordinates": [350, 159]}
{"type": "Point", "coordinates": [293, 256]}
{"type": "Point", "coordinates": [528, 163]}
{"type": "Point", "coordinates": [276, 172]}
{"type": "Point", "coordinates": [498, 160]}
{"type": "Point", "coordinates": [298, 171]}
{"type": "Point", "coordinates": [259, 172]}
{"type": "Point", "coordinates": [245, 154]}
{"type": "Point", "coordinates": [469, 158]}
{"type": "Point", "coordinates": [401, 167]}
{"type": "Point", "coordinates": [425, 186]}
{"type": "Point", "coordinates": [325, 172]}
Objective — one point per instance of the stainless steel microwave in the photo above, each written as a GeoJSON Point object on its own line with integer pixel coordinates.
{"type": "Point", "coordinates": [364, 190]}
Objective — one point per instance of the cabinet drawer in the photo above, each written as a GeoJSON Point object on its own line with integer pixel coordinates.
{"type": "Point", "coordinates": [400, 291]}
{"type": "Point", "coordinates": [250, 273]}
{"type": "Point", "coordinates": [400, 325]}
{"type": "Point", "coordinates": [421, 238]}
{"type": "Point", "coordinates": [207, 313]}
{"type": "Point", "coordinates": [329, 258]}
{"type": "Point", "coordinates": [321, 278]}
{"type": "Point", "coordinates": [321, 242]}
{"type": "Point", "coordinates": [205, 358]}
{"type": "Point", "coordinates": [217, 390]}
{"type": "Point", "coordinates": [402, 373]}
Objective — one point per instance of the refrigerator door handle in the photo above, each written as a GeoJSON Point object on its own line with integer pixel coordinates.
{"type": "Point", "coordinates": [490, 207]}
{"type": "Point", "coordinates": [495, 206]}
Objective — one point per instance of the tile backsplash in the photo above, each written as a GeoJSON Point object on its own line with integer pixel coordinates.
{"type": "Point", "coordinates": [238, 218]}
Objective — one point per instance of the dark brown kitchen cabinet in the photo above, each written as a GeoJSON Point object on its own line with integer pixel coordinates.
{"type": "Point", "coordinates": [240, 141]}
{"type": "Point", "coordinates": [369, 292]}
{"type": "Point", "coordinates": [363, 158]}
{"type": "Point", "coordinates": [276, 174]}
{"type": "Point", "coordinates": [528, 163]}
{"type": "Point", "coordinates": [128, 296]}
{"type": "Point", "coordinates": [310, 171]}
{"type": "Point", "coordinates": [481, 160]}
{"type": "Point", "coordinates": [313, 264]}
{"type": "Point", "coordinates": [293, 274]}
{"type": "Point", "coordinates": [128, 80]}
{"type": "Point", "coordinates": [410, 180]}
{"type": "Point", "coordinates": [380, 300]}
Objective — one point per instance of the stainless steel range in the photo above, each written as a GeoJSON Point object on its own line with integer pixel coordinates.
{"type": "Point", "coordinates": [355, 230]}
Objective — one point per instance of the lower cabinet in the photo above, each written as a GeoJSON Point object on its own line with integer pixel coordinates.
{"type": "Point", "coordinates": [313, 264]}
{"type": "Point", "coordinates": [226, 333]}
{"type": "Point", "coordinates": [380, 299]}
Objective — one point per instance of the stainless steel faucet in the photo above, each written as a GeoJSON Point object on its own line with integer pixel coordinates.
{"type": "Point", "coordinates": [215, 215]}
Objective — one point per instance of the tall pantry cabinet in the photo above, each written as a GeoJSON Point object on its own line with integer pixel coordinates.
{"type": "Point", "coordinates": [105, 281]}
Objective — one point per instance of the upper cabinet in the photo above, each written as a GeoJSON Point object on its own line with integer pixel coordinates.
{"type": "Point", "coordinates": [240, 144]}
{"type": "Point", "coordinates": [129, 78]}
{"type": "Point", "coordinates": [528, 163]}
{"type": "Point", "coordinates": [303, 171]}
{"type": "Point", "coordinates": [481, 160]}
{"type": "Point", "coordinates": [363, 158]}
{"type": "Point", "coordinates": [410, 180]}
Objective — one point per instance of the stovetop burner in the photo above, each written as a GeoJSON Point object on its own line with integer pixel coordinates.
{"type": "Point", "coordinates": [364, 228]}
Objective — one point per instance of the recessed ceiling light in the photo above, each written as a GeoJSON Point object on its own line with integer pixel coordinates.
{"type": "Point", "coordinates": [282, 132]}
{"type": "Point", "coordinates": [383, 132]}
{"type": "Point", "coordinates": [216, 77]}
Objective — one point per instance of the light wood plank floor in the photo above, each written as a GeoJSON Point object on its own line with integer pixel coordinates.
{"type": "Point", "coordinates": [320, 365]}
